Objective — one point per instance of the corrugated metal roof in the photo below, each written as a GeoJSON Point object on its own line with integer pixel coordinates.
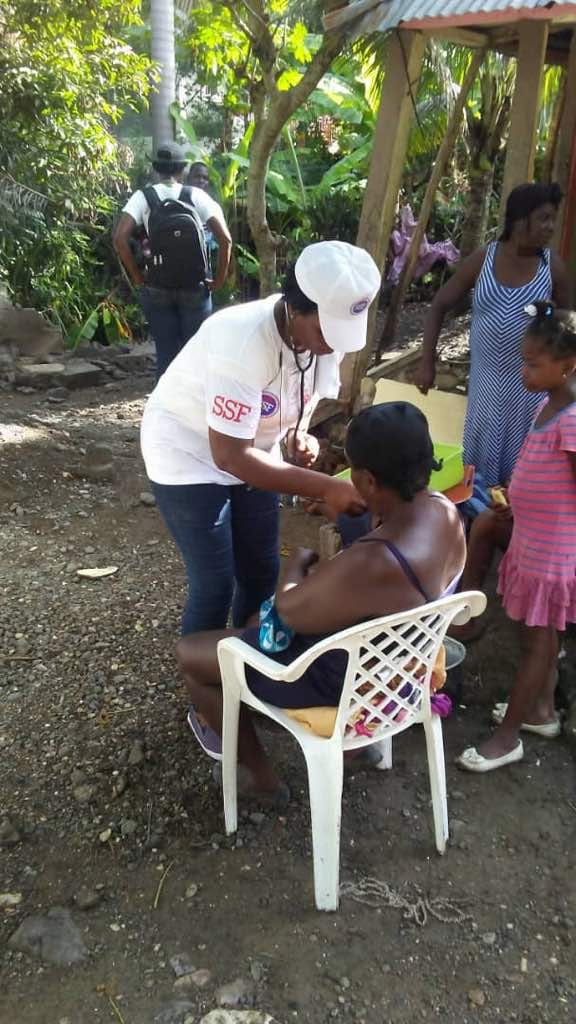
{"type": "Point", "coordinates": [417, 10]}
{"type": "Point", "coordinates": [379, 17]}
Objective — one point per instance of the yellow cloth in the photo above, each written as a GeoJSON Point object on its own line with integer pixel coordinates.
{"type": "Point", "coordinates": [321, 721]}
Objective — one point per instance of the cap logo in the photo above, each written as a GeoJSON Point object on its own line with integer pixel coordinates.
{"type": "Point", "coordinates": [359, 307]}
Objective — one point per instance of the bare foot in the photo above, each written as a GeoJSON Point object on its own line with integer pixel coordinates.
{"type": "Point", "coordinates": [265, 786]}
{"type": "Point", "coordinates": [500, 743]}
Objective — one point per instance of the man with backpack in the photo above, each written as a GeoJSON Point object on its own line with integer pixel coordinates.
{"type": "Point", "coordinates": [175, 288]}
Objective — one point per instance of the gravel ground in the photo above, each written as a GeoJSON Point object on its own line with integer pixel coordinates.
{"type": "Point", "coordinates": [108, 809]}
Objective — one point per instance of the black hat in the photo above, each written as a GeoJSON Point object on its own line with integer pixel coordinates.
{"type": "Point", "coordinates": [169, 153]}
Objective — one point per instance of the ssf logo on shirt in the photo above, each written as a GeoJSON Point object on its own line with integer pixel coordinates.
{"type": "Point", "coordinates": [270, 404]}
{"type": "Point", "coordinates": [229, 408]}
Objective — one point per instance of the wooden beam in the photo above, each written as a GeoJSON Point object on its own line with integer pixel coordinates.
{"type": "Point", "coordinates": [567, 135]}
{"type": "Point", "coordinates": [521, 148]}
{"type": "Point", "coordinates": [569, 238]}
{"type": "Point", "coordinates": [395, 117]}
{"type": "Point", "coordinates": [345, 15]}
{"type": "Point", "coordinates": [462, 36]}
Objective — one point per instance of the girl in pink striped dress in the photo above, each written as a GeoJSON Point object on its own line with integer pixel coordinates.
{"type": "Point", "coordinates": [538, 572]}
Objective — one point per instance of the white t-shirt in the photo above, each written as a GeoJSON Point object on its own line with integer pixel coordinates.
{"type": "Point", "coordinates": [237, 377]}
{"type": "Point", "coordinates": [139, 210]}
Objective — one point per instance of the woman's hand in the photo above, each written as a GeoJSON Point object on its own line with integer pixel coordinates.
{"type": "Point", "coordinates": [425, 375]}
{"type": "Point", "coordinates": [297, 568]}
{"type": "Point", "coordinates": [303, 449]}
{"type": "Point", "coordinates": [342, 497]}
{"type": "Point", "coordinates": [500, 504]}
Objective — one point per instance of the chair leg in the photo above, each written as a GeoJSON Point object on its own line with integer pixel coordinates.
{"type": "Point", "coordinates": [385, 748]}
{"type": "Point", "coordinates": [437, 772]}
{"type": "Point", "coordinates": [325, 776]}
{"type": "Point", "coordinates": [230, 719]}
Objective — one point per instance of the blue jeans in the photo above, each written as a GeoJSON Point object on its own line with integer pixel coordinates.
{"type": "Point", "coordinates": [229, 540]}
{"type": "Point", "coordinates": [173, 316]}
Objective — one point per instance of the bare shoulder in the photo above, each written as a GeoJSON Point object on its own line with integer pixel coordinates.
{"type": "Point", "coordinates": [558, 267]}
{"type": "Point", "coordinates": [453, 534]}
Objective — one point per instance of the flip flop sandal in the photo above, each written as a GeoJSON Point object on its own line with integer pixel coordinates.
{"type": "Point", "coordinates": [550, 730]}
{"type": "Point", "coordinates": [278, 798]}
{"type": "Point", "coordinates": [209, 740]}
{"type": "Point", "coordinates": [472, 761]}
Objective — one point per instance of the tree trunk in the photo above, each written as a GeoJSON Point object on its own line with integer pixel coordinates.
{"type": "Point", "coordinates": [263, 140]}
{"type": "Point", "coordinates": [272, 110]}
{"type": "Point", "coordinates": [475, 225]}
{"type": "Point", "coordinates": [162, 51]}
{"type": "Point", "coordinates": [438, 170]}
{"type": "Point", "coordinates": [227, 140]}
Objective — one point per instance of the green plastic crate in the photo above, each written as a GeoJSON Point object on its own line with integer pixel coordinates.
{"type": "Point", "coordinates": [450, 473]}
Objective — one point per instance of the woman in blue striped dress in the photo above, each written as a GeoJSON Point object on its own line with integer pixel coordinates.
{"type": "Point", "coordinates": [506, 276]}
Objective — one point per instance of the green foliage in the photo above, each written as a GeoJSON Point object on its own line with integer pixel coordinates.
{"type": "Point", "coordinates": [67, 74]}
{"type": "Point", "coordinates": [319, 167]}
{"type": "Point", "coordinates": [107, 320]}
{"type": "Point", "coordinates": [317, 172]}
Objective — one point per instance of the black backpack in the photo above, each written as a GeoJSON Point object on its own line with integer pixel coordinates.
{"type": "Point", "coordinates": [178, 256]}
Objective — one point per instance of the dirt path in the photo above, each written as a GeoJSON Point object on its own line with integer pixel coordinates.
{"type": "Point", "coordinates": [103, 795]}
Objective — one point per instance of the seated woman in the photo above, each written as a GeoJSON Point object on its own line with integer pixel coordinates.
{"type": "Point", "coordinates": [415, 555]}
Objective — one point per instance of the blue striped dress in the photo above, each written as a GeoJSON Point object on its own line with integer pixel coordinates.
{"type": "Point", "coordinates": [500, 409]}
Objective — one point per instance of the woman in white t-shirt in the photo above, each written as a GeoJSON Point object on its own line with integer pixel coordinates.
{"type": "Point", "coordinates": [211, 433]}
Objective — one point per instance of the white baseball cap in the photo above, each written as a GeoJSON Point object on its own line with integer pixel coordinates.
{"type": "Point", "coordinates": [342, 279]}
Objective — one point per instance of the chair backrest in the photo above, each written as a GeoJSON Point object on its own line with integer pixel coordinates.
{"type": "Point", "coordinates": [390, 665]}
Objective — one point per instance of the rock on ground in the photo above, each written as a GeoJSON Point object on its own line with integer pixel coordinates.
{"type": "Point", "coordinates": [237, 1017]}
{"type": "Point", "coordinates": [236, 993]}
{"type": "Point", "coordinates": [53, 937]}
{"type": "Point", "coordinates": [179, 1012]}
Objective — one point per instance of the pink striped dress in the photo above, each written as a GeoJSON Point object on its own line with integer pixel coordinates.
{"type": "Point", "coordinates": [538, 572]}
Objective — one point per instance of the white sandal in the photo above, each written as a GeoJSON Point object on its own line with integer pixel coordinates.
{"type": "Point", "coordinates": [472, 761]}
{"type": "Point", "coordinates": [550, 730]}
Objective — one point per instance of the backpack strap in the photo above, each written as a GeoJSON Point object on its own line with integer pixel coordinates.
{"type": "Point", "coordinates": [186, 195]}
{"type": "Point", "coordinates": [151, 196]}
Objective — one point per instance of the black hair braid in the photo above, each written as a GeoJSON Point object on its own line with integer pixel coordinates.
{"type": "Point", "coordinates": [555, 329]}
{"type": "Point", "coordinates": [293, 294]}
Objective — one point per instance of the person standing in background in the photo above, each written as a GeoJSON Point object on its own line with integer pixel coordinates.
{"type": "Point", "coordinates": [537, 576]}
{"type": "Point", "coordinates": [506, 276]}
{"type": "Point", "coordinates": [198, 177]}
{"type": "Point", "coordinates": [175, 289]}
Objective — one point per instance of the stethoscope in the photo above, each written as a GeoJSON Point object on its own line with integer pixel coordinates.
{"type": "Point", "coordinates": [303, 369]}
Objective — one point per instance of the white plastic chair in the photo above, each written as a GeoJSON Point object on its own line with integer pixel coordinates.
{"type": "Point", "coordinates": [383, 656]}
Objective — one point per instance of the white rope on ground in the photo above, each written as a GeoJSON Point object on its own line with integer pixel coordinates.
{"type": "Point", "coordinates": [417, 908]}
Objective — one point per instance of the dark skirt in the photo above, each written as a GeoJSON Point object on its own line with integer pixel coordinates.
{"type": "Point", "coordinates": [319, 686]}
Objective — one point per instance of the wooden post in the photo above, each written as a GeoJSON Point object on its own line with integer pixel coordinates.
{"type": "Point", "coordinates": [565, 146]}
{"type": "Point", "coordinates": [521, 149]}
{"type": "Point", "coordinates": [568, 248]}
{"type": "Point", "coordinates": [403, 65]}
{"type": "Point", "coordinates": [442, 158]}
